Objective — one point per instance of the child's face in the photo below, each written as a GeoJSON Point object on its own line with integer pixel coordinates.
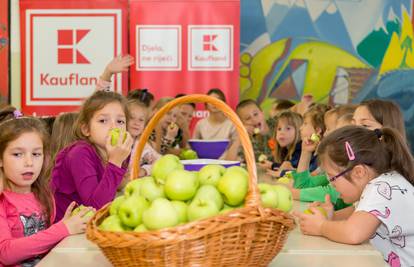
{"type": "Point", "coordinates": [350, 188]}
{"type": "Point", "coordinates": [285, 133]}
{"type": "Point", "coordinates": [330, 120]}
{"type": "Point", "coordinates": [186, 111]}
{"type": "Point", "coordinates": [307, 129]}
{"type": "Point", "coordinates": [110, 116]}
{"type": "Point", "coordinates": [137, 121]}
{"type": "Point", "coordinates": [22, 162]}
{"type": "Point", "coordinates": [252, 117]}
{"type": "Point", "coordinates": [362, 117]}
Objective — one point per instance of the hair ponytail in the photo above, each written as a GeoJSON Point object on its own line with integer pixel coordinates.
{"type": "Point", "coordinates": [400, 157]}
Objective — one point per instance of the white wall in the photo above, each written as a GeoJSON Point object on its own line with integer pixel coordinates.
{"type": "Point", "coordinates": [15, 54]}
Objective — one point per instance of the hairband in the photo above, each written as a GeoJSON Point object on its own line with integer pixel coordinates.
{"type": "Point", "coordinates": [349, 151]}
{"type": "Point", "coordinates": [17, 114]}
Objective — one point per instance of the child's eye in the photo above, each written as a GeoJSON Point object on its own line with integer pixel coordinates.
{"type": "Point", "coordinates": [37, 154]}
{"type": "Point", "coordinates": [121, 122]}
{"type": "Point", "coordinates": [103, 121]}
{"type": "Point", "coordinates": [17, 154]}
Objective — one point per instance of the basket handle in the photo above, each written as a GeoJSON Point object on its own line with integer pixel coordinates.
{"type": "Point", "coordinates": [253, 197]}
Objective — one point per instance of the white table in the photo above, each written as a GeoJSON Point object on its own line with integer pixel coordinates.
{"type": "Point", "coordinates": [299, 250]}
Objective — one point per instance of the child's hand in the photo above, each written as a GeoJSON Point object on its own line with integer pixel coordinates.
{"type": "Point", "coordinates": [327, 205]}
{"type": "Point", "coordinates": [119, 64]}
{"type": "Point", "coordinates": [286, 165]}
{"type": "Point", "coordinates": [118, 153]}
{"type": "Point", "coordinates": [250, 129]}
{"type": "Point", "coordinates": [76, 224]}
{"type": "Point", "coordinates": [308, 145]}
{"type": "Point", "coordinates": [311, 224]}
{"type": "Point", "coordinates": [172, 131]}
{"type": "Point", "coordinates": [265, 164]}
{"type": "Point", "coordinates": [274, 174]}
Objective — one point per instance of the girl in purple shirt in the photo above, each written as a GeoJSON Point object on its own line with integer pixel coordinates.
{"type": "Point", "coordinates": [90, 170]}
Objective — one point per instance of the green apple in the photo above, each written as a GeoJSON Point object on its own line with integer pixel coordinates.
{"type": "Point", "coordinates": [151, 190]}
{"type": "Point", "coordinates": [134, 187]}
{"type": "Point", "coordinates": [315, 138]}
{"type": "Point", "coordinates": [165, 165]}
{"type": "Point", "coordinates": [322, 210]}
{"type": "Point", "coordinates": [113, 209]}
{"type": "Point", "coordinates": [89, 214]}
{"type": "Point", "coordinates": [209, 192]}
{"type": "Point", "coordinates": [201, 208]}
{"type": "Point", "coordinates": [112, 223]}
{"type": "Point", "coordinates": [181, 185]}
{"type": "Point", "coordinates": [181, 209]}
{"type": "Point", "coordinates": [115, 133]}
{"type": "Point", "coordinates": [284, 200]}
{"type": "Point", "coordinates": [283, 180]}
{"type": "Point", "coordinates": [161, 214]}
{"type": "Point", "coordinates": [188, 154]}
{"type": "Point", "coordinates": [262, 158]}
{"type": "Point", "coordinates": [140, 228]}
{"type": "Point", "coordinates": [210, 174]}
{"type": "Point", "coordinates": [237, 169]}
{"type": "Point", "coordinates": [268, 195]}
{"type": "Point", "coordinates": [233, 185]}
{"type": "Point", "coordinates": [130, 211]}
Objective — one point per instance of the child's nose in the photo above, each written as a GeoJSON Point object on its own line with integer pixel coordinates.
{"type": "Point", "coordinates": [28, 161]}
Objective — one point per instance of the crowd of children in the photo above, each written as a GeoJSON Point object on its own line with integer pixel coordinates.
{"type": "Point", "coordinates": [358, 167]}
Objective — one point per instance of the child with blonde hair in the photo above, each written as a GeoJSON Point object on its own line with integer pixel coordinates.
{"type": "Point", "coordinates": [90, 170]}
{"type": "Point", "coordinates": [27, 208]}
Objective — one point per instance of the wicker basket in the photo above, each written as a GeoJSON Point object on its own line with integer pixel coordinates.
{"type": "Point", "coordinates": [250, 236]}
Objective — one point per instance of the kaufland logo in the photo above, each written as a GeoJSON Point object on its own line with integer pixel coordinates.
{"type": "Point", "coordinates": [67, 43]}
{"type": "Point", "coordinates": [66, 51]}
{"type": "Point", "coordinates": [210, 47]}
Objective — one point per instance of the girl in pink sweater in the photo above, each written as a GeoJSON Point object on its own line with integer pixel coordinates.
{"type": "Point", "coordinates": [26, 203]}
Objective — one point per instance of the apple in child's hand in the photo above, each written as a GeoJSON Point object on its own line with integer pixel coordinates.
{"type": "Point", "coordinates": [113, 209]}
{"type": "Point", "coordinates": [256, 131]}
{"type": "Point", "coordinates": [130, 211]}
{"type": "Point", "coordinates": [210, 192]}
{"type": "Point", "coordinates": [315, 138]}
{"type": "Point", "coordinates": [322, 210]}
{"type": "Point", "coordinates": [165, 165]}
{"type": "Point", "coordinates": [181, 209]}
{"type": "Point", "coordinates": [140, 228]}
{"type": "Point", "coordinates": [284, 180]}
{"type": "Point", "coordinates": [285, 200]}
{"type": "Point", "coordinates": [115, 133]}
{"type": "Point", "coordinates": [201, 209]}
{"type": "Point", "coordinates": [181, 185]}
{"type": "Point", "coordinates": [233, 185]}
{"type": "Point", "coordinates": [262, 158]}
{"type": "Point", "coordinates": [268, 195]}
{"type": "Point", "coordinates": [151, 190]}
{"type": "Point", "coordinates": [161, 214]}
{"type": "Point", "coordinates": [112, 223]}
{"type": "Point", "coordinates": [89, 214]}
{"type": "Point", "coordinates": [210, 174]}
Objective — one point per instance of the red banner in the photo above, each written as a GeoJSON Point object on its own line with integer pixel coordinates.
{"type": "Point", "coordinates": [65, 46]}
{"type": "Point", "coordinates": [185, 46]}
{"type": "Point", "coordinates": [4, 51]}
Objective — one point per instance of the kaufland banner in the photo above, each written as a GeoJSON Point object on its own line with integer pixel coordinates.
{"type": "Point", "coordinates": [65, 47]}
{"type": "Point", "coordinates": [185, 46]}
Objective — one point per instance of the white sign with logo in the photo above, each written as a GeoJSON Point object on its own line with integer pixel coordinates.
{"type": "Point", "coordinates": [158, 47]}
{"type": "Point", "coordinates": [210, 47]}
{"type": "Point", "coordinates": [67, 51]}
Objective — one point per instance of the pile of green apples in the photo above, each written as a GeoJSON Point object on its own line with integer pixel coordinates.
{"type": "Point", "coordinates": [174, 196]}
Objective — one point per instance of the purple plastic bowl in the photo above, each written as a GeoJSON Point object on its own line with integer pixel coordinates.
{"type": "Point", "coordinates": [209, 149]}
{"type": "Point", "coordinates": [197, 164]}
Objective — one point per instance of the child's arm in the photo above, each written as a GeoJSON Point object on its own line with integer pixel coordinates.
{"type": "Point", "coordinates": [116, 65]}
{"type": "Point", "coordinates": [306, 180]}
{"type": "Point", "coordinates": [14, 250]}
{"type": "Point", "coordinates": [308, 148]}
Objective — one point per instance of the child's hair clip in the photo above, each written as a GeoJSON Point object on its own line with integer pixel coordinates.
{"type": "Point", "coordinates": [17, 114]}
{"type": "Point", "coordinates": [349, 151]}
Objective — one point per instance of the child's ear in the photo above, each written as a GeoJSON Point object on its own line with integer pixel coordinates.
{"type": "Point", "coordinates": [319, 131]}
{"type": "Point", "coordinates": [359, 171]}
{"type": "Point", "coordinates": [85, 129]}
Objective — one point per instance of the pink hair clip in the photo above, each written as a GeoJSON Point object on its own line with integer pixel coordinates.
{"type": "Point", "coordinates": [17, 114]}
{"type": "Point", "coordinates": [349, 151]}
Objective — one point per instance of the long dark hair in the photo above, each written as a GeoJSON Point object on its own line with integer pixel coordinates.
{"type": "Point", "coordinates": [12, 129]}
{"type": "Point", "coordinates": [383, 150]}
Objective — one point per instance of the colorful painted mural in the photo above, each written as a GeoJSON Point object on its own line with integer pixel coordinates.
{"type": "Point", "coordinates": [340, 51]}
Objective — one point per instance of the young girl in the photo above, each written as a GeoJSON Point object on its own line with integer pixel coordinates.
{"type": "Point", "coordinates": [136, 124]}
{"type": "Point", "coordinates": [216, 125]}
{"type": "Point", "coordinates": [373, 168]}
{"type": "Point", "coordinates": [26, 204]}
{"type": "Point", "coordinates": [288, 145]}
{"type": "Point", "coordinates": [90, 170]}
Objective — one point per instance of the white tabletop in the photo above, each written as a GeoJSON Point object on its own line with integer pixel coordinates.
{"type": "Point", "coordinates": [299, 250]}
